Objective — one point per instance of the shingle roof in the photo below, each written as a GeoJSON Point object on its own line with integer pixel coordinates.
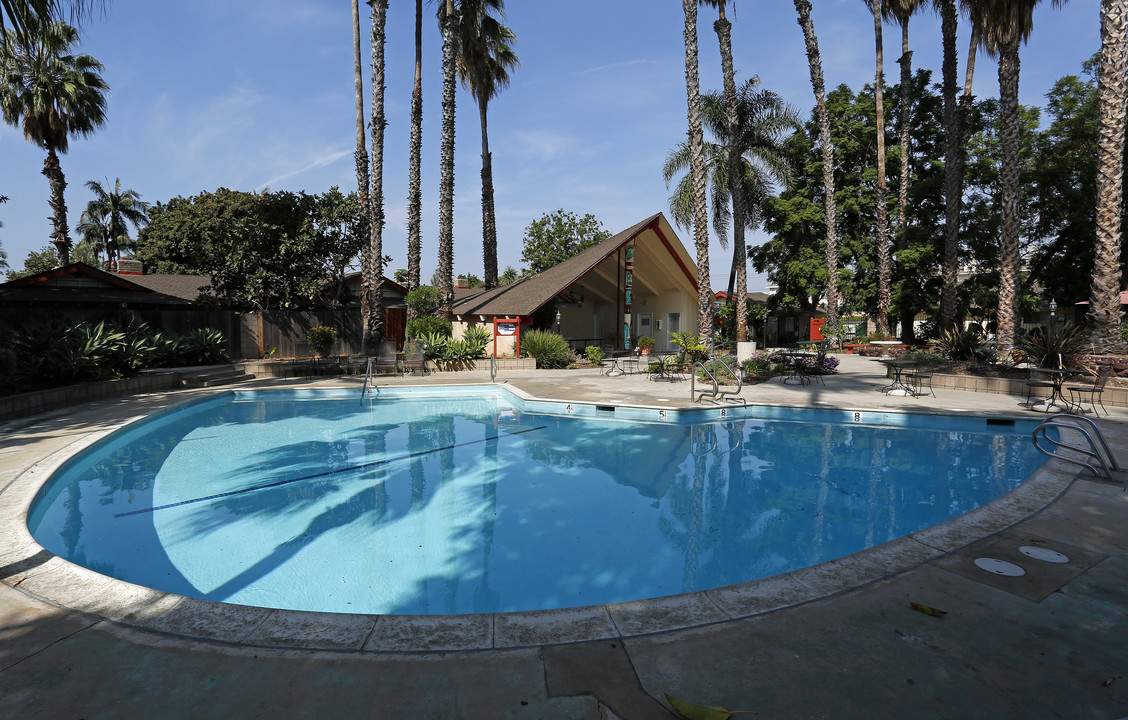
{"type": "Point", "coordinates": [186, 287]}
{"type": "Point", "coordinates": [527, 295]}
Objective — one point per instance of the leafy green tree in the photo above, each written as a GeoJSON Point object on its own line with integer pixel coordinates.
{"type": "Point", "coordinates": [271, 250]}
{"type": "Point", "coordinates": [46, 258]}
{"type": "Point", "coordinates": [52, 94]}
{"type": "Point", "coordinates": [557, 236]}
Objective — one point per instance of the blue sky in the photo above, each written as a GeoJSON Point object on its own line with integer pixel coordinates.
{"type": "Point", "coordinates": [255, 94]}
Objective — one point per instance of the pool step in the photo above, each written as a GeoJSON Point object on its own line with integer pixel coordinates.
{"type": "Point", "coordinates": [212, 376]}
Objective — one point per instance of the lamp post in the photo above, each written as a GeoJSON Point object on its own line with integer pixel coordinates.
{"type": "Point", "coordinates": [1053, 309]}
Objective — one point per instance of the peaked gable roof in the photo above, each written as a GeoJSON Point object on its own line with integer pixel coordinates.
{"type": "Point", "coordinates": [527, 295]}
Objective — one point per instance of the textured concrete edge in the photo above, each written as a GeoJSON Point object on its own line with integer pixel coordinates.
{"type": "Point", "coordinates": [33, 570]}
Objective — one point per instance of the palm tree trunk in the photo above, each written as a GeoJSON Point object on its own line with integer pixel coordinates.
{"type": "Point", "coordinates": [803, 8]}
{"type": "Point", "coordinates": [883, 271]}
{"type": "Point", "coordinates": [1104, 298]}
{"type": "Point", "coordinates": [952, 172]}
{"type": "Point", "coordinates": [59, 236]}
{"type": "Point", "coordinates": [374, 322]}
{"type": "Point", "coordinates": [736, 178]}
{"type": "Point", "coordinates": [489, 223]}
{"type": "Point", "coordinates": [446, 168]}
{"type": "Point", "coordinates": [1010, 163]}
{"type": "Point", "coordinates": [360, 156]}
{"type": "Point", "coordinates": [906, 63]}
{"type": "Point", "coordinates": [697, 168]}
{"type": "Point", "coordinates": [415, 192]}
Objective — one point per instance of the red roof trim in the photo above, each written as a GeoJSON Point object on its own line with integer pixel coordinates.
{"type": "Point", "coordinates": [77, 269]}
{"type": "Point", "coordinates": [657, 228]}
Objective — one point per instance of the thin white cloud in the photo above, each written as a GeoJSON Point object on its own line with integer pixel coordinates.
{"type": "Point", "coordinates": [610, 66]}
{"type": "Point", "coordinates": [320, 160]}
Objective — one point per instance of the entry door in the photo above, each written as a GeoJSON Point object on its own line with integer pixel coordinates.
{"type": "Point", "coordinates": [644, 325]}
{"type": "Point", "coordinates": [673, 325]}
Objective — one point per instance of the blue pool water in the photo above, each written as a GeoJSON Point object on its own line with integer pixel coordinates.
{"type": "Point", "coordinates": [474, 501]}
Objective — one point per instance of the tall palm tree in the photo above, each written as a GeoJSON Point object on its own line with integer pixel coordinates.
{"type": "Point", "coordinates": [1104, 298]}
{"type": "Point", "coordinates": [955, 149]}
{"type": "Point", "coordinates": [414, 191]}
{"type": "Point", "coordinates": [53, 94]}
{"type": "Point", "coordinates": [16, 13]}
{"type": "Point", "coordinates": [803, 8]}
{"type": "Point", "coordinates": [697, 168]}
{"type": "Point", "coordinates": [374, 320]}
{"type": "Point", "coordinates": [882, 205]}
{"type": "Point", "coordinates": [738, 279]}
{"type": "Point", "coordinates": [360, 156]}
{"type": "Point", "coordinates": [112, 211]}
{"type": "Point", "coordinates": [901, 11]}
{"type": "Point", "coordinates": [762, 121]}
{"type": "Point", "coordinates": [484, 58]}
{"type": "Point", "coordinates": [445, 270]}
{"type": "Point", "coordinates": [1005, 25]}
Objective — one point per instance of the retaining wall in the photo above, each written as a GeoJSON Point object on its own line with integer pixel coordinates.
{"type": "Point", "coordinates": [33, 403]}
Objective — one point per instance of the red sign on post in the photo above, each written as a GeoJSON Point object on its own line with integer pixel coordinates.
{"type": "Point", "coordinates": [817, 328]}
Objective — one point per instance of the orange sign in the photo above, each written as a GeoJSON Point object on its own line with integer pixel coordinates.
{"type": "Point", "coordinates": [817, 328]}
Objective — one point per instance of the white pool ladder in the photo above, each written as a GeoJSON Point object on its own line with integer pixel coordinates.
{"type": "Point", "coordinates": [1094, 448]}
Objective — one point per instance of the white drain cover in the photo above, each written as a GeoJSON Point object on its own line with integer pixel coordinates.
{"type": "Point", "coordinates": [1044, 554]}
{"type": "Point", "coordinates": [999, 567]}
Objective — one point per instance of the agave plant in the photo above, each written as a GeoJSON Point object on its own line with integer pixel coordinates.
{"type": "Point", "coordinates": [960, 344]}
{"type": "Point", "coordinates": [434, 345]}
{"type": "Point", "coordinates": [477, 338]}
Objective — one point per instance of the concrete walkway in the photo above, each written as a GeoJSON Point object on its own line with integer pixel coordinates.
{"type": "Point", "coordinates": [836, 641]}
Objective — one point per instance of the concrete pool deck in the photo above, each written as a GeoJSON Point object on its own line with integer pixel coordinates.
{"type": "Point", "coordinates": [838, 640]}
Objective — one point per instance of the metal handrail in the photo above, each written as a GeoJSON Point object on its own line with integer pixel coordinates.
{"type": "Point", "coordinates": [493, 367]}
{"type": "Point", "coordinates": [716, 392]}
{"type": "Point", "coordinates": [1063, 421]}
{"type": "Point", "coordinates": [367, 377]}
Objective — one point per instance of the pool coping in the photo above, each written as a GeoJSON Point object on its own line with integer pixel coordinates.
{"type": "Point", "coordinates": [28, 567]}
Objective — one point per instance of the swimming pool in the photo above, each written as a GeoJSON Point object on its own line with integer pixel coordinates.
{"type": "Point", "coordinates": [470, 500]}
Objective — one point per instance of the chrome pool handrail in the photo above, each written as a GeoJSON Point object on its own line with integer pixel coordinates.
{"type": "Point", "coordinates": [1065, 421]}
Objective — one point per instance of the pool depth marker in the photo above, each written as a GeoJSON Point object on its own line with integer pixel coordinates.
{"type": "Point", "coordinates": [280, 483]}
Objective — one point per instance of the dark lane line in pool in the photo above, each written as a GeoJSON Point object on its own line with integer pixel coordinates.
{"type": "Point", "coordinates": [279, 483]}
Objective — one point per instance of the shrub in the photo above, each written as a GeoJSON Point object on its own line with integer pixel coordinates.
{"type": "Point", "coordinates": [924, 357]}
{"type": "Point", "coordinates": [594, 354]}
{"type": "Point", "coordinates": [692, 349]}
{"type": "Point", "coordinates": [321, 339]}
{"type": "Point", "coordinates": [960, 344]}
{"type": "Point", "coordinates": [763, 365]}
{"type": "Point", "coordinates": [646, 342]}
{"type": "Point", "coordinates": [424, 300]}
{"type": "Point", "coordinates": [427, 325]}
{"type": "Point", "coordinates": [549, 349]}
{"type": "Point", "coordinates": [1051, 348]}
{"type": "Point", "coordinates": [204, 346]}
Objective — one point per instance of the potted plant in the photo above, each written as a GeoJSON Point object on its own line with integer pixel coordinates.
{"type": "Point", "coordinates": [321, 339]}
{"type": "Point", "coordinates": [645, 343]}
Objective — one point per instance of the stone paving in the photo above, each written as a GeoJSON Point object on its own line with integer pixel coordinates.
{"type": "Point", "coordinates": [839, 640]}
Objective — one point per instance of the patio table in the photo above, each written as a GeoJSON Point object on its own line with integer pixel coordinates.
{"type": "Point", "coordinates": [1058, 376]}
{"type": "Point", "coordinates": [898, 386]}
